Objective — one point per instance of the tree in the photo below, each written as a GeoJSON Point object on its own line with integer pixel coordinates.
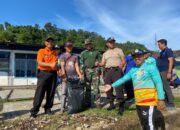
{"type": "Point", "coordinates": [36, 35]}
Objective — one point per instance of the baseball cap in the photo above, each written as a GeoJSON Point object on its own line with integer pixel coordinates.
{"type": "Point", "coordinates": [88, 41]}
{"type": "Point", "coordinates": [137, 52]}
{"type": "Point", "coordinates": [49, 39]}
{"type": "Point", "coordinates": [68, 44]}
{"type": "Point", "coordinates": [111, 39]}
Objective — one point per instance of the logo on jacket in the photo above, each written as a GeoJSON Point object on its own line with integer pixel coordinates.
{"type": "Point", "coordinates": [144, 113]}
{"type": "Point", "coordinates": [140, 73]}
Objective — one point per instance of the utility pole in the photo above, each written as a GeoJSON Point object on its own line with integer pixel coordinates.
{"type": "Point", "coordinates": [155, 40]}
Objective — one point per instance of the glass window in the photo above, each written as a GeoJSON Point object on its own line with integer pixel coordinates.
{"type": "Point", "coordinates": [31, 68]}
{"type": "Point", "coordinates": [25, 65]}
{"type": "Point", "coordinates": [20, 67]}
{"type": "Point", "coordinates": [4, 61]}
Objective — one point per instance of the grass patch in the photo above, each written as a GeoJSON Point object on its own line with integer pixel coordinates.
{"type": "Point", "coordinates": [113, 113]}
{"type": "Point", "coordinates": [177, 102]}
{"type": "Point", "coordinates": [178, 70]}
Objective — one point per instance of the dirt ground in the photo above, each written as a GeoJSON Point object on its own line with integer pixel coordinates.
{"type": "Point", "coordinates": [93, 119]}
{"type": "Point", "coordinates": [15, 116]}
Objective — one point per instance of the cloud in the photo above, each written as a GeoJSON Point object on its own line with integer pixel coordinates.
{"type": "Point", "coordinates": [134, 20]}
{"type": "Point", "coordinates": [66, 23]}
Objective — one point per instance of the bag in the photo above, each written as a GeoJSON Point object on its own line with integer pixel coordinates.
{"type": "Point", "coordinates": [75, 97]}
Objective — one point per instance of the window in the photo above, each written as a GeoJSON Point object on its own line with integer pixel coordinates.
{"type": "Point", "coordinates": [4, 61]}
{"type": "Point", "coordinates": [25, 65]}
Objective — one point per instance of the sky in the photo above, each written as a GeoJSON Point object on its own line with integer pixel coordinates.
{"type": "Point", "coordinates": [125, 20]}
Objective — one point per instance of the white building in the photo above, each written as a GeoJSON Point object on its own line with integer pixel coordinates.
{"type": "Point", "coordinates": [18, 64]}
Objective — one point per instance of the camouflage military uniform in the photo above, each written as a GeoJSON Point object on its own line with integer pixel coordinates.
{"type": "Point", "coordinates": [92, 76]}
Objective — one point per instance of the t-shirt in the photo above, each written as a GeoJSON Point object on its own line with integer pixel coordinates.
{"type": "Point", "coordinates": [48, 56]}
{"type": "Point", "coordinates": [70, 61]}
{"type": "Point", "coordinates": [174, 74]}
{"type": "Point", "coordinates": [162, 61]}
{"type": "Point", "coordinates": [113, 57]}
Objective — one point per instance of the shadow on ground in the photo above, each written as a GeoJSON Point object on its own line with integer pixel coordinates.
{"type": "Point", "coordinates": [12, 114]}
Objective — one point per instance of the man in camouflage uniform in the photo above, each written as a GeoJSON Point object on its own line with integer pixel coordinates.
{"type": "Point", "coordinates": [89, 64]}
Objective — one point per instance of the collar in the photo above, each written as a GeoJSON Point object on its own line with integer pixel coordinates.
{"type": "Point", "coordinates": [89, 50]}
{"type": "Point", "coordinates": [165, 48]}
{"type": "Point", "coordinates": [47, 49]}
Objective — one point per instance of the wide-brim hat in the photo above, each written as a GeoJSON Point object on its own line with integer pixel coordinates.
{"type": "Point", "coordinates": [87, 41]}
{"type": "Point", "coordinates": [137, 52]}
{"type": "Point", "coordinates": [111, 39]}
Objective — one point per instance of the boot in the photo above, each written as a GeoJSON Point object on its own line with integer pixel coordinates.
{"type": "Point", "coordinates": [121, 108]}
{"type": "Point", "coordinates": [111, 106]}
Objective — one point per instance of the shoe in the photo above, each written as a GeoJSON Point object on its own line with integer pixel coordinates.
{"type": "Point", "coordinates": [121, 108]}
{"type": "Point", "coordinates": [48, 112]}
{"type": "Point", "coordinates": [33, 116]}
{"type": "Point", "coordinates": [170, 107]}
{"type": "Point", "coordinates": [88, 105]}
{"type": "Point", "coordinates": [111, 106]}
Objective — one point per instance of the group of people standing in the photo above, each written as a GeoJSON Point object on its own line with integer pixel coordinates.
{"type": "Point", "coordinates": [80, 75]}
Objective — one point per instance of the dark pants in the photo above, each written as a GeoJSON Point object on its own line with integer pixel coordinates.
{"type": "Point", "coordinates": [46, 84]}
{"type": "Point", "coordinates": [112, 75]}
{"type": "Point", "coordinates": [146, 116]}
{"type": "Point", "coordinates": [167, 89]}
{"type": "Point", "coordinates": [129, 89]}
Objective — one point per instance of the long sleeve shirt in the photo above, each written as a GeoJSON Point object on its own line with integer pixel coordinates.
{"type": "Point", "coordinates": [147, 84]}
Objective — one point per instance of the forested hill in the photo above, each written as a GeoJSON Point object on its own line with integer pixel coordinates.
{"type": "Point", "coordinates": [35, 35]}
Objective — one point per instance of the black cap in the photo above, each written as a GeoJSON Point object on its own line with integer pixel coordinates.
{"type": "Point", "coordinates": [111, 39]}
{"type": "Point", "coordinates": [49, 39]}
{"type": "Point", "coordinates": [137, 52]}
{"type": "Point", "coordinates": [68, 44]}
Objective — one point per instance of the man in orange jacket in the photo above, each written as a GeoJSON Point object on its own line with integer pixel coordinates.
{"type": "Point", "coordinates": [47, 77]}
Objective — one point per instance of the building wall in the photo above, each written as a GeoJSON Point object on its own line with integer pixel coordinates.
{"type": "Point", "coordinates": [9, 78]}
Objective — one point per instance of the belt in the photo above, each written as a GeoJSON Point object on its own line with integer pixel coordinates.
{"type": "Point", "coordinates": [112, 68]}
{"type": "Point", "coordinates": [49, 71]}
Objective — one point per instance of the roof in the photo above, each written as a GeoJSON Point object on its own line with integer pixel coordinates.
{"type": "Point", "coordinates": [15, 46]}
{"type": "Point", "coordinates": [29, 47]}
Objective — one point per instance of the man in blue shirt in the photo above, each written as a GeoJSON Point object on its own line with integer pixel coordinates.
{"type": "Point", "coordinates": [128, 85]}
{"type": "Point", "coordinates": [165, 64]}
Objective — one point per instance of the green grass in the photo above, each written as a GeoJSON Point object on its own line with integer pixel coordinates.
{"type": "Point", "coordinates": [177, 101]}
{"type": "Point", "coordinates": [178, 70]}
